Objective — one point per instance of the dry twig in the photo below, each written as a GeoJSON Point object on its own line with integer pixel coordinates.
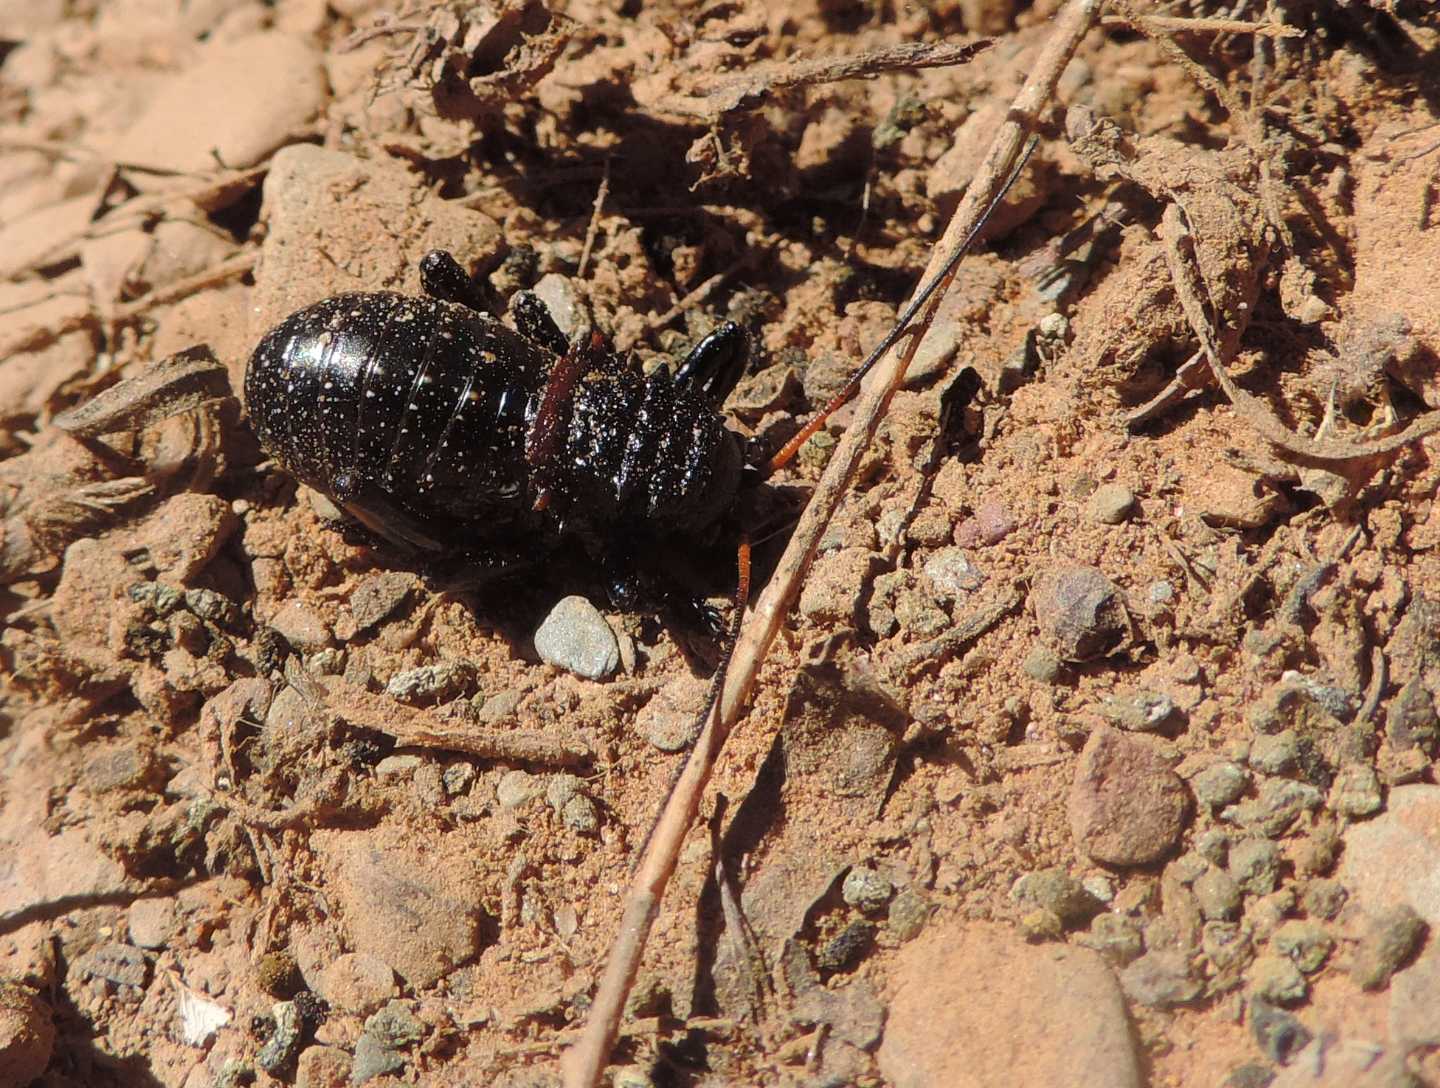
{"type": "Point", "coordinates": [584, 1063]}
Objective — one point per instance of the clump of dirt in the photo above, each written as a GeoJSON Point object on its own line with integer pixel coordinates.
{"type": "Point", "coordinates": [1111, 693]}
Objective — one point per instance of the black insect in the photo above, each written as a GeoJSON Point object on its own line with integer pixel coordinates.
{"type": "Point", "coordinates": [442, 430]}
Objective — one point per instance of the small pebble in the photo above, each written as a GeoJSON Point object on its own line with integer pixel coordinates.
{"type": "Point", "coordinates": [1220, 784]}
{"type": "Point", "coordinates": [1279, 804]}
{"type": "Point", "coordinates": [283, 1044]}
{"type": "Point", "coordinates": [1305, 944]}
{"type": "Point", "coordinates": [952, 573]}
{"type": "Point", "coordinates": [357, 983]}
{"type": "Point", "coordinates": [1323, 898]}
{"type": "Point", "coordinates": [1411, 720]}
{"type": "Point", "coordinates": [373, 1059]}
{"type": "Point", "coordinates": [1279, 1035]}
{"type": "Point", "coordinates": [866, 889]}
{"type": "Point", "coordinates": [27, 1034]}
{"type": "Point", "coordinates": [1225, 944]}
{"type": "Point", "coordinates": [1042, 665]}
{"type": "Point", "coordinates": [1057, 891]}
{"type": "Point", "coordinates": [1276, 978]}
{"type": "Point", "coordinates": [152, 922]}
{"type": "Point", "coordinates": [301, 626]}
{"type": "Point", "coordinates": [1160, 980]}
{"type": "Point", "coordinates": [379, 597]}
{"type": "Point", "coordinates": [1255, 865]}
{"type": "Point", "coordinates": [909, 911]}
{"type": "Point", "coordinates": [1041, 925]}
{"type": "Point", "coordinates": [1114, 936]}
{"type": "Point", "coordinates": [1218, 895]}
{"type": "Point", "coordinates": [991, 523]}
{"type": "Point", "coordinates": [1110, 504]}
{"type": "Point", "coordinates": [846, 947]}
{"type": "Point", "coordinates": [1387, 943]}
{"type": "Point", "coordinates": [395, 1025]}
{"type": "Point", "coordinates": [575, 637]}
{"type": "Point", "coordinates": [431, 683]}
{"type": "Point", "coordinates": [580, 814]}
{"type": "Point", "coordinates": [1138, 711]}
{"type": "Point", "coordinates": [1080, 612]}
{"type": "Point", "coordinates": [1277, 753]}
{"type": "Point", "coordinates": [517, 787]}
{"type": "Point", "coordinates": [1126, 806]}
{"type": "Point", "coordinates": [398, 766]}
{"type": "Point", "coordinates": [1213, 845]}
{"type": "Point", "coordinates": [322, 1067]}
{"type": "Point", "coordinates": [1356, 791]}
{"type": "Point", "coordinates": [458, 778]}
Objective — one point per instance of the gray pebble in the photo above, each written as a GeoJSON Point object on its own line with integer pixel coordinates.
{"type": "Point", "coordinates": [152, 922]}
{"type": "Point", "coordinates": [458, 778]}
{"type": "Point", "coordinates": [284, 1042]}
{"type": "Point", "coordinates": [301, 626]}
{"type": "Point", "coordinates": [1110, 504]}
{"type": "Point", "coordinates": [122, 964]}
{"type": "Point", "coordinates": [953, 574]}
{"type": "Point", "coordinates": [580, 814]}
{"type": "Point", "coordinates": [431, 683]}
{"type": "Point", "coordinates": [1041, 664]}
{"type": "Point", "coordinates": [1388, 941]}
{"type": "Point", "coordinates": [1213, 845]}
{"type": "Point", "coordinates": [1276, 978]}
{"type": "Point", "coordinates": [1160, 980]}
{"type": "Point", "coordinates": [1324, 898]}
{"type": "Point", "coordinates": [576, 638]}
{"type": "Point", "coordinates": [909, 911]}
{"type": "Point", "coordinates": [518, 787]}
{"type": "Point", "coordinates": [395, 1025]}
{"type": "Point", "coordinates": [1080, 612]}
{"type": "Point", "coordinates": [1114, 936]}
{"type": "Point", "coordinates": [1225, 944]}
{"type": "Point", "coordinates": [1276, 753]}
{"type": "Point", "coordinates": [1280, 1035]}
{"type": "Point", "coordinates": [1305, 944]}
{"type": "Point", "coordinates": [866, 889]}
{"type": "Point", "coordinates": [379, 597]}
{"type": "Point", "coordinates": [328, 662]}
{"type": "Point", "coordinates": [1411, 720]}
{"type": "Point", "coordinates": [1356, 792]}
{"type": "Point", "coordinates": [373, 1059]}
{"type": "Point", "coordinates": [1280, 803]}
{"type": "Point", "coordinates": [1255, 865]}
{"type": "Point", "coordinates": [1139, 711]}
{"type": "Point", "coordinates": [1218, 895]}
{"type": "Point", "coordinates": [1057, 891]}
{"type": "Point", "coordinates": [214, 608]}
{"type": "Point", "coordinates": [1220, 784]}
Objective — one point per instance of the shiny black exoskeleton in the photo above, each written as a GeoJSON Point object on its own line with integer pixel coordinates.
{"type": "Point", "coordinates": [440, 429]}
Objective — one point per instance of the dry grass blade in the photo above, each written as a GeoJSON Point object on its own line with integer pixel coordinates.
{"type": "Point", "coordinates": [584, 1063]}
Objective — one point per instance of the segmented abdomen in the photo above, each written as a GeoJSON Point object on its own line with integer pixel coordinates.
{"type": "Point", "coordinates": [415, 400]}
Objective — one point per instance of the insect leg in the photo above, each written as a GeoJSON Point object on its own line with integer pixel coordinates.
{"type": "Point", "coordinates": [442, 277]}
{"type": "Point", "coordinates": [535, 322]}
{"type": "Point", "coordinates": [715, 365]}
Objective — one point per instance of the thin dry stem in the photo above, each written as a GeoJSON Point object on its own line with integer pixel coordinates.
{"type": "Point", "coordinates": [585, 1062]}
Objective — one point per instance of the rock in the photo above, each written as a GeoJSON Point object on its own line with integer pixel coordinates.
{"type": "Point", "coordinates": [1356, 792]}
{"type": "Point", "coordinates": [1414, 999]}
{"type": "Point", "coordinates": [322, 1067]}
{"type": "Point", "coordinates": [430, 684]}
{"type": "Point", "coordinates": [395, 1025]}
{"type": "Point", "coordinates": [1138, 711]}
{"type": "Point", "coordinates": [1114, 936]}
{"type": "Point", "coordinates": [1042, 665]}
{"type": "Point", "coordinates": [122, 964]}
{"type": "Point", "coordinates": [1058, 892]}
{"type": "Point", "coordinates": [318, 245]}
{"type": "Point", "coordinates": [837, 583]}
{"type": "Point", "coordinates": [1323, 898]}
{"type": "Point", "coordinates": [1279, 1035]}
{"type": "Point", "coordinates": [374, 1059]}
{"type": "Point", "coordinates": [379, 597]}
{"type": "Point", "coordinates": [909, 911]}
{"type": "Point", "coordinates": [152, 922]}
{"type": "Point", "coordinates": [952, 574]}
{"type": "Point", "coordinates": [1220, 784]}
{"type": "Point", "coordinates": [563, 301]}
{"type": "Point", "coordinates": [1276, 979]}
{"type": "Point", "coordinates": [1411, 720]}
{"type": "Point", "coordinates": [234, 106]}
{"type": "Point", "coordinates": [186, 533]}
{"type": "Point", "coordinates": [991, 523]}
{"type": "Point", "coordinates": [1110, 504]}
{"type": "Point", "coordinates": [357, 983]}
{"type": "Point", "coordinates": [866, 889]}
{"type": "Point", "coordinates": [1390, 938]}
{"type": "Point", "coordinates": [1218, 895]}
{"type": "Point", "coordinates": [1160, 980]}
{"type": "Point", "coordinates": [414, 912]}
{"type": "Point", "coordinates": [518, 787]}
{"type": "Point", "coordinates": [580, 814]}
{"type": "Point", "coordinates": [27, 1035]}
{"type": "Point", "coordinates": [284, 1042]}
{"type": "Point", "coordinates": [1330, 1062]}
{"type": "Point", "coordinates": [1279, 804]}
{"type": "Point", "coordinates": [1255, 865]}
{"type": "Point", "coordinates": [1395, 858]}
{"type": "Point", "coordinates": [1127, 807]}
{"type": "Point", "coordinates": [1277, 753]}
{"type": "Point", "coordinates": [1052, 1017]}
{"type": "Point", "coordinates": [1225, 945]}
{"type": "Point", "coordinates": [301, 626]}
{"type": "Point", "coordinates": [1305, 944]}
{"type": "Point", "coordinates": [1081, 613]}
{"type": "Point", "coordinates": [575, 637]}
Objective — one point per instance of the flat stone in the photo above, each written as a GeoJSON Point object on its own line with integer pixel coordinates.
{"type": "Point", "coordinates": [1110, 504]}
{"type": "Point", "coordinates": [576, 638]}
{"type": "Point", "coordinates": [301, 626]}
{"type": "Point", "coordinates": [416, 913]}
{"type": "Point", "coordinates": [1395, 858]}
{"type": "Point", "coordinates": [1080, 612]}
{"type": "Point", "coordinates": [1415, 1002]}
{"type": "Point", "coordinates": [240, 101]}
{"type": "Point", "coordinates": [1127, 807]}
{"type": "Point", "coordinates": [1051, 1016]}
{"type": "Point", "coordinates": [1160, 980]}
{"type": "Point", "coordinates": [357, 983]}
{"type": "Point", "coordinates": [379, 597]}
{"type": "Point", "coordinates": [152, 922]}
